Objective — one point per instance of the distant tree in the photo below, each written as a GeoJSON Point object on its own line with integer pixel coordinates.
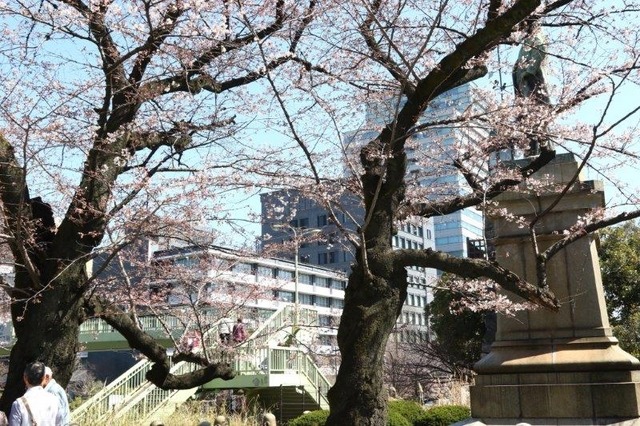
{"type": "Point", "coordinates": [455, 343]}
{"type": "Point", "coordinates": [619, 253]}
{"type": "Point", "coordinates": [628, 334]}
{"type": "Point", "coordinates": [458, 331]}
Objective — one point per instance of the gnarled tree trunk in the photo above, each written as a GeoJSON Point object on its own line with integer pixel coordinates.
{"type": "Point", "coordinates": [46, 326]}
{"type": "Point", "coordinates": [358, 396]}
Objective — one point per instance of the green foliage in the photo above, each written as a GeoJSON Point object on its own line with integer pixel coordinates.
{"type": "Point", "coordinates": [619, 253]}
{"type": "Point", "coordinates": [628, 335]}
{"type": "Point", "coordinates": [620, 264]}
{"type": "Point", "coordinates": [76, 402]}
{"type": "Point", "coordinates": [397, 419]}
{"type": "Point", "coordinates": [396, 416]}
{"type": "Point", "coordinates": [459, 335]}
{"type": "Point", "coordinates": [314, 418]}
{"type": "Point", "coordinates": [410, 410]}
{"type": "Point", "coordinates": [444, 415]}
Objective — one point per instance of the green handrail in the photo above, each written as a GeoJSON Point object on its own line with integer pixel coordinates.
{"type": "Point", "coordinates": [126, 386]}
{"type": "Point", "coordinates": [103, 402]}
{"type": "Point", "coordinates": [151, 398]}
{"type": "Point", "coordinates": [284, 360]}
{"type": "Point", "coordinates": [148, 399]}
{"type": "Point", "coordinates": [258, 355]}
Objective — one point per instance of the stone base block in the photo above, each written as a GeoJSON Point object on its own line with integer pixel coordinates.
{"type": "Point", "coordinates": [549, 422]}
{"type": "Point", "coordinates": [557, 395]}
{"type": "Point", "coordinates": [542, 355]}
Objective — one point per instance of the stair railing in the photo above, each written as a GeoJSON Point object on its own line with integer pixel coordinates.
{"type": "Point", "coordinates": [294, 360]}
{"type": "Point", "coordinates": [111, 395]}
{"type": "Point", "coordinates": [131, 382]}
{"type": "Point", "coordinates": [150, 398]}
{"type": "Point", "coordinates": [254, 355]}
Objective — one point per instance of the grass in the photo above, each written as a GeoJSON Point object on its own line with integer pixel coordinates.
{"type": "Point", "coordinates": [189, 414]}
{"type": "Point", "coordinates": [192, 414]}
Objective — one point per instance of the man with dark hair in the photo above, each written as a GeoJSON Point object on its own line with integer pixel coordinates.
{"type": "Point", "coordinates": [37, 407]}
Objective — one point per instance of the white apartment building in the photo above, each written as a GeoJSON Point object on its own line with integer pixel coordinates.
{"type": "Point", "coordinates": [254, 287]}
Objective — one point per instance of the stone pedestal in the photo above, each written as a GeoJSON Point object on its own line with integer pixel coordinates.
{"type": "Point", "coordinates": [555, 367]}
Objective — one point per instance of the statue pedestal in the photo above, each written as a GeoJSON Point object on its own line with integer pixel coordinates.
{"type": "Point", "coordinates": [560, 367]}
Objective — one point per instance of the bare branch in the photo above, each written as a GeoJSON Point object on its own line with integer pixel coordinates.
{"type": "Point", "coordinates": [138, 339]}
{"type": "Point", "coordinates": [477, 268]}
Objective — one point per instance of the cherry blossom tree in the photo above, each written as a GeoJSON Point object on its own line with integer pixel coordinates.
{"type": "Point", "coordinates": [395, 59]}
{"type": "Point", "coordinates": [120, 116]}
{"type": "Point", "coordinates": [118, 113]}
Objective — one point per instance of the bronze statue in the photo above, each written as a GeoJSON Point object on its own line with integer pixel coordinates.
{"type": "Point", "coordinates": [528, 79]}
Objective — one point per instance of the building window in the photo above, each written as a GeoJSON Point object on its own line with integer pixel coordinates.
{"type": "Point", "coordinates": [322, 220]}
{"type": "Point", "coordinates": [338, 285]}
{"type": "Point", "coordinates": [322, 301]}
{"type": "Point", "coordinates": [285, 296]}
{"type": "Point", "coordinates": [285, 275]}
{"type": "Point", "coordinates": [303, 222]}
{"type": "Point", "coordinates": [244, 268]}
{"type": "Point", "coordinates": [304, 279]}
{"type": "Point", "coordinates": [325, 320]}
{"type": "Point", "coordinates": [264, 271]}
{"type": "Point", "coordinates": [337, 303]}
{"type": "Point", "coordinates": [455, 239]}
{"type": "Point", "coordinates": [322, 258]}
{"type": "Point", "coordinates": [306, 299]}
{"type": "Point", "coordinates": [333, 257]}
{"type": "Point", "coordinates": [322, 282]}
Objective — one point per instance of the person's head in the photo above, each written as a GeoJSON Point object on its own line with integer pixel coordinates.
{"type": "Point", "coordinates": [34, 374]}
{"type": "Point", "coordinates": [48, 375]}
{"type": "Point", "coordinates": [239, 319]}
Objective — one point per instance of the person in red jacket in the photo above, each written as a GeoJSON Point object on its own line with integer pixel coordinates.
{"type": "Point", "coordinates": [239, 333]}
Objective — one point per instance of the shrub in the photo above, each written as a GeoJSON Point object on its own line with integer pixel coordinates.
{"type": "Point", "coordinates": [444, 415]}
{"type": "Point", "coordinates": [397, 419]}
{"type": "Point", "coordinates": [319, 418]}
{"type": "Point", "coordinates": [410, 410]}
{"type": "Point", "coordinates": [314, 418]}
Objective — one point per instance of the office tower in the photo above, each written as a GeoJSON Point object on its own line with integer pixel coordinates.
{"type": "Point", "coordinates": [298, 217]}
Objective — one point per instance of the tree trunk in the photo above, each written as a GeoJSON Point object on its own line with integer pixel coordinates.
{"type": "Point", "coordinates": [372, 304]}
{"type": "Point", "coordinates": [46, 328]}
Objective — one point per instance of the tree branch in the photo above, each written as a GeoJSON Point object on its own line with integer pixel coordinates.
{"type": "Point", "coordinates": [147, 345]}
{"type": "Point", "coordinates": [583, 232]}
{"type": "Point", "coordinates": [477, 268]}
{"type": "Point", "coordinates": [17, 213]}
{"type": "Point", "coordinates": [477, 197]}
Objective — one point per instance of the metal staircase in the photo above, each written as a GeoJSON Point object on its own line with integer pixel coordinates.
{"type": "Point", "coordinates": [131, 396]}
{"type": "Point", "coordinates": [275, 366]}
{"type": "Point", "coordinates": [109, 399]}
{"type": "Point", "coordinates": [261, 362]}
